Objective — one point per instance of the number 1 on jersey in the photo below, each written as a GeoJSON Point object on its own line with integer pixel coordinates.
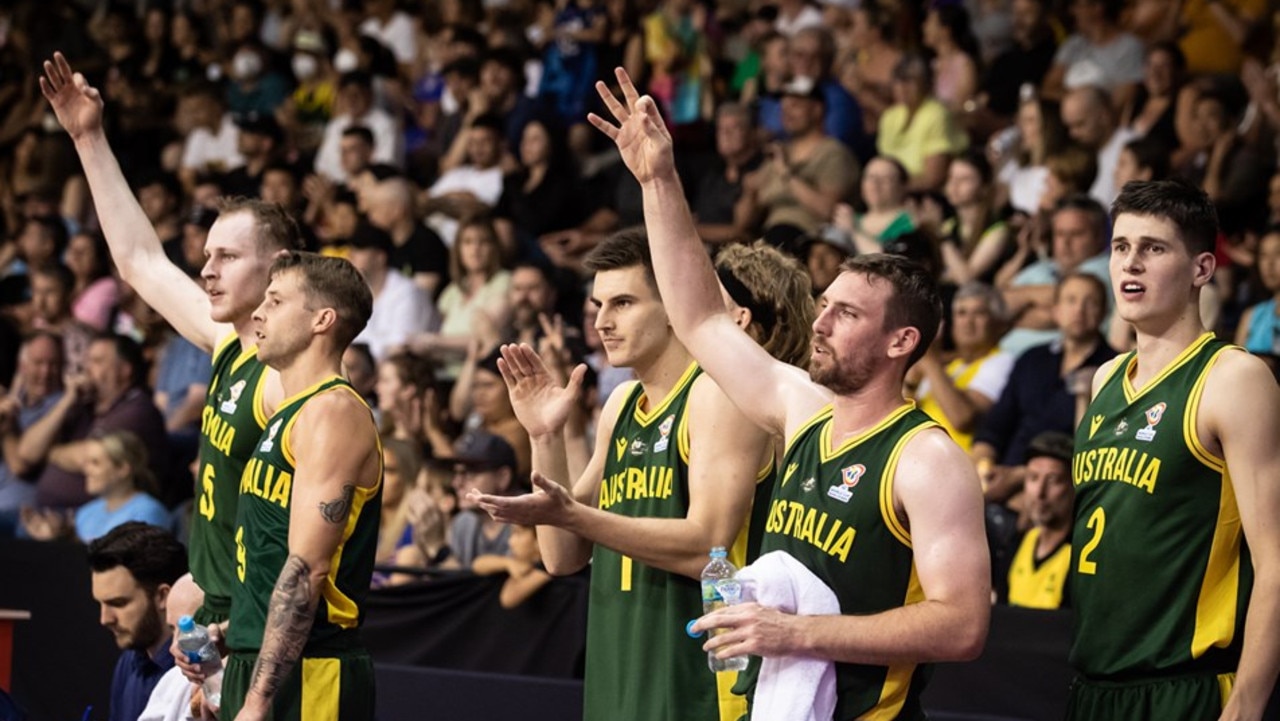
{"type": "Point", "coordinates": [1098, 524]}
{"type": "Point", "coordinates": [626, 573]}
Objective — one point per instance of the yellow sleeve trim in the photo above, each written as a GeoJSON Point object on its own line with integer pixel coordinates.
{"type": "Point", "coordinates": [823, 414]}
{"type": "Point", "coordinates": [1190, 434]}
{"type": "Point", "coordinates": [887, 512]}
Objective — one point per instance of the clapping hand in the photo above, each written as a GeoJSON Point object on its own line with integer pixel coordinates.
{"type": "Point", "coordinates": [541, 405]}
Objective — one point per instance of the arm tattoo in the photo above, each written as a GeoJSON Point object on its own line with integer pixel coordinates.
{"type": "Point", "coordinates": [337, 510]}
{"type": "Point", "coordinates": [289, 618]}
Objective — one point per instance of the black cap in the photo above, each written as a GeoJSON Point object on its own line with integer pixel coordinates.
{"type": "Point", "coordinates": [1053, 444]}
{"type": "Point", "coordinates": [260, 124]}
{"type": "Point", "coordinates": [480, 450]}
{"type": "Point", "coordinates": [369, 236]}
{"type": "Point", "coordinates": [202, 217]}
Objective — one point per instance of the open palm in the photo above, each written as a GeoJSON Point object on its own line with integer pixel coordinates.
{"type": "Point", "coordinates": [640, 135]}
{"type": "Point", "coordinates": [542, 406]}
{"type": "Point", "coordinates": [77, 104]}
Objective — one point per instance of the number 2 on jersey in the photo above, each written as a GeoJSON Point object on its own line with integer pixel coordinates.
{"type": "Point", "coordinates": [1098, 524]}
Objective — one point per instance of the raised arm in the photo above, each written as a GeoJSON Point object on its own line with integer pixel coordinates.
{"type": "Point", "coordinates": [337, 458]}
{"type": "Point", "coordinates": [774, 395]}
{"type": "Point", "coordinates": [937, 490]}
{"type": "Point", "coordinates": [135, 247]}
{"type": "Point", "coordinates": [1242, 410]}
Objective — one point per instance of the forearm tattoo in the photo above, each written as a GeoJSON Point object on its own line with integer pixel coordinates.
{"type": "Point", "coordinates": [337, 510]}
{"type": "Point", "coordinates": [289, 618]}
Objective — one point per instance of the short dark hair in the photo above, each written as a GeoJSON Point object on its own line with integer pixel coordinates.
{"type": "Point", "coordinates": [1099, 286]}
{"type": "Point", "coordinates": [413, 370]}
{"type": "Point", "coordinates": [337, 284]}
{"type": "Point", "coordinates": [359, 131]}
{"type": "Point", "coordinates": [1051, 444]}
{"type": "Point", "coordinates": [129, 351]}
{"type": "Point", "coordinates": [1178, 201]}
{"type": "Point", "coordinates": [61, 274]}
{"type": "Point", "coordinates": [626, 248]}
{"type": "Point", "coordinates": [1150, 154]}
{"type": "Point", "coordinates": [277, 230]}
{"type": "Point", "coordinates": [54, 227]}
{"type": "Point", "coordinates": [150, 553]}
{"type": "Point", "coordinates": [915, 302]}
{"type": "Point", "coordinates": [1096, 212]}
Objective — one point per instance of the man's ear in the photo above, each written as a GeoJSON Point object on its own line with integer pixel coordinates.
{"type": "Point", "coordinates": [161, 597]}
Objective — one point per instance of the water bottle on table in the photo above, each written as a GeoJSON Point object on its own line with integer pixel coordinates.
{"type": "Point", "coordinates": [721, 588]}
{"type": "Point", "coordinates": [194, 641]}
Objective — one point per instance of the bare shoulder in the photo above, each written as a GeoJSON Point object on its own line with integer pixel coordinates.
{"type": "Point", "coordinates": [931, 463]}
{"type": "Point", "coordinates": [1241, 387]}
{"type": "Point", "coordinates": [336, 411]}
{"type": "Point", "coordinates": [1104, 372]}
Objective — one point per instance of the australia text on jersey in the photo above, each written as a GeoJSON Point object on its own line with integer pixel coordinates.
{"type": "Point", "coordinates": [267, 482]}
{"type": "Point", "coordinates": [1123, 465]}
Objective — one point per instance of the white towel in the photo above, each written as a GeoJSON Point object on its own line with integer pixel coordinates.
{"type": "Point", "coordinates": [791, 688]}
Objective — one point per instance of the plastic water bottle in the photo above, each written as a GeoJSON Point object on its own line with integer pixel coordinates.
{"type": "Point", "coordinates": [194, 641]}
{"type": "Point", "coordinates": [720, 588]}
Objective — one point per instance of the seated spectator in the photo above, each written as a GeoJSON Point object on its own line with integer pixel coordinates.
{"type": "Point", "coordinates": [523, 565]}
{"type": "Point", "coordinates": [183, 370]}
{"type": "Point", "coordinates": [1044, 386]}
{"type": "Point", "coordinates": [975, 241]}
{"type": "Point", "coordinates": [870, 74]}
{"type": "Point", "coordinates": [405, 388]}
{"type": "Point", "coordinates": [432, 504]}
{"type": "Point", "coordinates": [1233, 173]}
{"type": "Point", "coordinates": [254, 85]}
{"type": "Point", "coordinates": [109, 397]}
{"type": "Point", "coordinates": [1025, 63]}
{"type": "Point", "coordinates": [96, 291]}
{"type": "Point", "coordinates": [212, 144]}
{"type": "Point", "coordinates": [400, 465]}
{"type": "Point", "coordinates": [947, 31]}
{"type": "Point", "coordinates": [187, 250]}
{"type": "Point", "coordinates": [958, 389]}
{"type": "Point", "coordinates": [261, 143]}
{"type": "Point", "coordinates": [918, 131]}
{"type": "Point", "coordinates": [485, 463]}
{"type": "Point", "coordinates": [543, 195]}
{"type": "Point", "coordinates": [824, 253]}
{"type": "Point", "coordinates": [676, 50]}
{"type": "Point", "coordinates": [479, 400]}
{"type": "Point", "coordinates": [533, 296]}
{"type": "Point", "coordinates": [1257, 330]}
{"type": "Point", "coordinates": [401, 309]}
{"type": "Point", "coordinates": [1080, 233]}
{"type": "Point", "coordinates": [569, 59]}
{"type": "Point", "coordinates": [171, 698]}
{"type": "Point", "coordinates": [1022, 152]}
{"type": "Point", "coordinates": [884, 192]}
{"type": "Point", "coordinates": [1072, 171]}
{"type": "Point", "coordinates": [37, 388]}
{"type": "Point", "coordinates": [797, 189]}
{"type": "Point", "coordinates": [362, 373]}
{"type": "Point", "coordinates": [1099, 53]}
{"type": "Point", "coordinates": [51, 288]}
{"type": "Point", "coordinates": [39, 243]}
{"type": "Point", "coordinates": [1092, 122]}
{"type": "Point", "coordinates": [1036, 575]}
{"type": "Point", "coordinates": [1154, 108]}
{"type": "Point", "coordinates": [473, 186]}
{"type": "Point", "coordinates": [116, 475]}
{"type": "Point", "coordinates": [811, 53]}
{"type": "Point", "coordinates": [1142, 159]}
{"type": "Point", "coordinates": [477, 296]}
{"type": "Point", "coordinates": [355, 108]}
{"type": "Point", "coordinates": [134, 567]}
{"type": "Point", "coordinates": [416, 251]}
{"type": "Point", "coordinates": [308, 109]}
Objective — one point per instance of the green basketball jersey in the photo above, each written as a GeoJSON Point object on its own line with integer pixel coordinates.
{"type": "Point", "coordinates": [833, 512]}
{"type": "Point", "coordinates": [1160, 572]}
{"type": "Point", "coordinates": [262, 540]}
{"type": "Point", "coordinates": [641, 665]}
{"type": "Point", "coordinates": [230, 425]}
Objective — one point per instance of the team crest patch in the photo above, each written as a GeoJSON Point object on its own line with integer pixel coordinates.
{"type": "Point", "coordinates": [809, 484]}
{"type": "Point", "coordinates": [638, 447]}
{"type": "Point", "coordinates": [849, 477]}
{"type": "Point", "coordinates": [229, 405]}
{"type": "Point", "coordinates": [268, 444]}
{"type": "Point", "coordinates": [1153, 414]}
{"type": "Point", "coordinates": [1121, 427]}
{"type": "Point", "coordinates": [665, 430]}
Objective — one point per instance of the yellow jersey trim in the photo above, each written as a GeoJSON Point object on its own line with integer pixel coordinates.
{"type": "Point", "coordinates": [342, 611]}
{"type": "Point", "coordinates": [887, 512]}
{"type": "Point", "coordinates": [321, 687]}
{"type": "Point", "coordinates": [1219, 591]}
{"type": "Point", "coordinates": [825, 442]}
{"type": "Point", "coordinates": [644, 417]}
{"type": "Point", "coordinates": [683, 440]}
{"type": "Point", "coordinates": [822, 414]}
{"type": "Point", "coordinates": [1190, 433]}
{"type": "Point", "coordinates": [1131, 394]}
{"type": "Point", "coordinates": [897, 682]}
{"type": "Point", "coordinates": [259, 392]}
{"type": "Point", "coordinates": [222, 344]}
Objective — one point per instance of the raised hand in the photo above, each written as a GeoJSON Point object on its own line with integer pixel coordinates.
{"type": "Point", "coordinates": [77, 104]}
{"type": "Point", "coordinates": [542, 406]}
{"type": "Point", "coordinates": [641, 135]}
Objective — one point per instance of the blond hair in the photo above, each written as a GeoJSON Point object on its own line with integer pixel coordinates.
{"type": "Point", "coordinates": [779, 284]}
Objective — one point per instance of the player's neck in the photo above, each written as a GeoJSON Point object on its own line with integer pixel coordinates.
{"type": "Point", "coordinates": [660, 376]}
{"type": "Point", "coordinates": [1158, 344]}
{"type": "Point", "coordinates": [306, 369]}
{"type": "Point", "coordinates": [244, 329]}
{"type": "Point", "coordinates": [855, 412]}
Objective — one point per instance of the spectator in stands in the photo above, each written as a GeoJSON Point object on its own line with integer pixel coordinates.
{"type": "Point", "coordinates": [569, 58]}
{"type": "Point", "coordinates": [1099, 53]}
{"type": "Point", "coordinates": [1044, 385]}
{"type": "Point", "coordinates": [1234, 174]}
{"type": "Point", "coordinates": [1072, 171]}
{"type": "Point", "coordinates": [393, 28]}
{"type": "Point", "coordinates": [471, 187]}
{"type": "Point", "coordinates": [362, 373]}
{"type": "Point", "coordinates": [824, 253]}
{"type": "Point", "coordinates": [401, 309]}
{"type": "Point", "coordinates": [477, 295]}
{"type": "Point", "coordinates": [261, 143]}
{"type": "Point", "coordinates": [958, 389]}
{"type": "Point", "coordinates": [1023, 65]}
{"type": "Point", "coordinates": [1142, 159]}
{"type": "Point", "coordinates": [51, 288]}
{"type": "Point", "coordinates": [182, 377]}
{"type": "Point", "coordinates": [1022, 153]}
{"type": "Point", "coordinates": [306, 111]}
{"type": "Point", "coordinates": [134, 566]}
{"type": "Point", "coordinates": [213, 141]}
{"type": "Point", "coordinates": [499, 94]}
{"type": "Point", "coordinates": [811, 54]}
{"type": "Point", "coordinates": [96, 291]}
{"type": "Point", "coordinates": [1154, 108]}
{"type": "Point", "coordinates": [109, 396]}
{"type": "Point", "coordinates": [479, 400]}
{"type": "Point", "coordinates": [404, 386]}
{"type": "Point", "coordinates": [796, 15]}
{"type": "Point", "coordinates": [543, 195]}
{"type": "Point", "coordinates": [1212, 37]}
{"type": "Point", "coordinates": [918, 130]}
{"type": "Point", "coordinates": [417, 251]}
{"type": "Point", "coordinates": [797, 189]}
{"type": "Point", "coordinates": [355, 108]}
{"type": "Point", "coordinates": [116, 475]}
{"type": "Point", "coordinates": [1081, 229]}
{"type": "Point", "coordinates": [869, 74]}
{"type": "Point", "coordinates": [254, 87]}
{"type": "Point", "coordinates": [171, 699]}
{"type": "Point", "coordinates": [532, 295]}
{"type": "Point", "coordinates": [1092, 121]}
{"type": "Point", "coordinates": [948, 33]}
{"type": "Point", "coordinates": [976, 239]}
{"type": "Point", "coordinates": [37, 388]}
{"type": "Point", "coordinates": [718, 187]}
{"type": "Point", "coordinates": [1257, 330]}
{"type": "Point", "coordinates": [355, 150]}
{"type": "Point", "coordinates": [486, 463]}
{"type": "Point", "coordinates": [676, 50]}
{"type": "Point", "coordinates": [40, 242]}
{"type": "Point", "coordinates": [523, 565]}
{"type": "Point", "coordinates": [884, 192]}
{"type": "Point", "coordinates": [402, 460]}
{"type": "Point", "coordinates": [187, 250]}
{"type": "Point", "coordinates": [1037, 576]}
{"type": "Point", "coordinates": [160, 195]}
{"type": "Point", "coordinates": [280, 185]}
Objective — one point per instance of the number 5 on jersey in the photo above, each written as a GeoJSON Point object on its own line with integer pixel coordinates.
{"type": "Point", "coordinates": [206, 493]}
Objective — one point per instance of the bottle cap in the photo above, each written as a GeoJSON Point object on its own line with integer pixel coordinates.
{"type": "Point", "coordinates": [718, 552]}
{"type": "Point", "coordinates": [688, 629]}
{"type": "Point", "coordinates": [186, 624]}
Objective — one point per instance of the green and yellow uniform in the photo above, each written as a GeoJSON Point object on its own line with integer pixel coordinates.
{"type": "Point", "coordinates": [641, 664]}
{"type": "Point", "coordinates": [1038, 583]}
{"type": "Point", "coordinates": [833, 511]}
{"type": "Point", "coordinates": [1161, 574]}
{"type": "Point", "coordinates": [230, 424]}
{"type": "Point", "coordinates": [334, 677]}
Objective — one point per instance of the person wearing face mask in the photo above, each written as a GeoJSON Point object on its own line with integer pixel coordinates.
{"type": "Point", "coordinates": [254, 87]}
{"type": "Point", "coordinates": [304, 113]}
